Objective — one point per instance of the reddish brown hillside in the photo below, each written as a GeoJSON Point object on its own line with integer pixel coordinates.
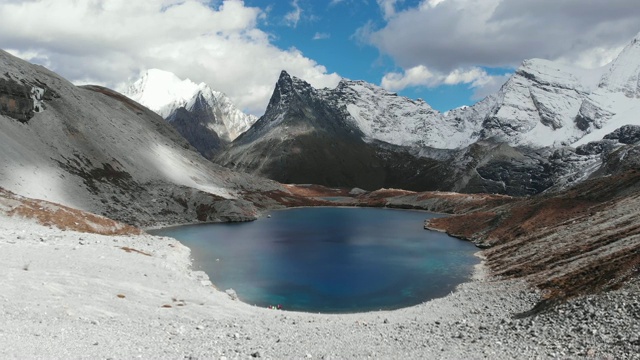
{"type": "Point", "coordinates": [60, 216]}
{"type": "Point", "coordinates": [581, 241]}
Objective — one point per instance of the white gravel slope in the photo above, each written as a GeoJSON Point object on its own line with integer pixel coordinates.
{"type": "Point", "coordinates": [60, 290]}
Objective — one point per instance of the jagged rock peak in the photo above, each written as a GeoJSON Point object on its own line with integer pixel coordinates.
{"type": "Point", "coordinates": [284, 76]}
{"type": "Point", "coordinates": [286, 89]}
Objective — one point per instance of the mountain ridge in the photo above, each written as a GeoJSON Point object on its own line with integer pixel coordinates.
{"type": "Point", "coordinates": [531, 136]}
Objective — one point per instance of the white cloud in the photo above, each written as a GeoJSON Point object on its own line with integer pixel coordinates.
{"type": "Point", "coordinates": [388, 7]}
{"type": "Point", "coordinates": [110, 42]}
{"type": "Point", "coordinates": [431, 3]}
{"type": "Point", "coordinates": [292, 18]}
{"type": "Point", "coordinates": [421, 76]}
{"type": "Point", "coordinates": [447, 42]}
{"type": "Point", "coordinates": [321, 36]}
{"type": "Point", "coordinates": [592, 58]}
{"type": "Point", "coordinates": [449, 34]}
{"type": "Point", "coordinates": [489, 85]}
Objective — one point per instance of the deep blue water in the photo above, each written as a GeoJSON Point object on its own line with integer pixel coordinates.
{"type": "Point", "coordinates": [330, 260]}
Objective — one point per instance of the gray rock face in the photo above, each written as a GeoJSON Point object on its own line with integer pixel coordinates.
{"type": "Point", "coordinates": [596, 147]}
{"type": "Point", "coordinates": [20, 100]}
{"type": "Point", "coordinates": [622, 159]}
{"type": "Point", "coordinates": [628, 134]}
{"type": "Point", "coordinates": [15, 100]}
{"type": "Point", "coordinates": [192, 125]}
{"type": "Point", "coordinates": [305, 138]}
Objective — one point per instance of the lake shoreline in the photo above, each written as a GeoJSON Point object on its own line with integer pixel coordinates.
{"type": "Point", "coordinates": [76, 295]}
{"type": "Point", "coordinates": [330, 259]}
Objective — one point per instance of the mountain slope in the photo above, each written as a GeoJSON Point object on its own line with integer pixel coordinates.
{"type": "Point", "coordinates": [94, 149]}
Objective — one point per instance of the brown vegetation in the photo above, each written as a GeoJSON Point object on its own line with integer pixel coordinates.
{"type": "Point", "coordinates": [62, 217]}
{"type": "Point", "coordinates": [577, 242]}
{"type": "Point", "coordinates": [316, 190]}
{"type": "Point", "coordinates": [281, 198]}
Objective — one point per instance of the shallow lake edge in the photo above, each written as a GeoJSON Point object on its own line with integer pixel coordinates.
{"type": "Point", "coordinates": [479, 272]}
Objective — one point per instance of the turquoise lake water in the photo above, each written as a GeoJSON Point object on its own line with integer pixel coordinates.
{"type": "Point", "coordinates": [330, 260]}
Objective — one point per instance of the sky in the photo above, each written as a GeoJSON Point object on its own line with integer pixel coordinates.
{"type": "Point", "coordinates": [448, 52]}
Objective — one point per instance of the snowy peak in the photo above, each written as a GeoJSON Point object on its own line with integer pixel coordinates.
{"type": "Point", "coordinates": [544, 103]}
{"type": "Point", "coordinates": [287, 89]}
{"type": "Point", "coordinates": [549, 73]}
{"type": "Point", "coordinates": [385, 116]}
{"type": "Point", "coordinates": [624, 73]}
{"type": "Point", "coordinates": [223, 117]}
{"type": "Point", "coordinates": [161, 91]}
{"type": "Point", "coordinates": [165, 93]}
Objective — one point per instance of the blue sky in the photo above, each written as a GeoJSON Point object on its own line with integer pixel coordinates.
{"type": "Point", "coordinates": [326, 31]}
{"type": "Point", "coordinates": [447, 52]}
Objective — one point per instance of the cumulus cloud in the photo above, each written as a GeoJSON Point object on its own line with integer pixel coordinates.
{"type": "Point", "coordinates": [444, 35]}
{"type": "Point", "coordinates": [421, 76]}
{"type": "Point", "coordinates": [110, 42]}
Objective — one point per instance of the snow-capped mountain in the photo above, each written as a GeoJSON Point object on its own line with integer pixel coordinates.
{"type": "Point", "coordinates": [161, 91]}
{"type": "Point", "coordinates": [538, 105]}
{"type": "Point", "coordinates": [165, 93]}
{"type": "Point", "coordinates": [543, 104]}
{"type": "Point", "coordinates": [616, 101]}
{"type": "Point", "coordinates": [304, 137]}
{"type": "Point", "coordinates": [385, 116]}
{"type": "Point", "coordinates": [516, 141]}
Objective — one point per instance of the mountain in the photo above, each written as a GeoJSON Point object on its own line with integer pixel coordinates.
{"type": "Point", "coordinates": [543, 104]}
{"type": "Point", "coordinates": [205, 117]}
{"type": "Point", "coordinates": [305, 138]}
{"type": "Point", "coordinates": [532, 135]}
{"type": "Point", "coordinates": [385, 116]}
{"type": "Point", "coordinates": [94, 149]}
{"type": "Point", "coordinates": [310, 136]}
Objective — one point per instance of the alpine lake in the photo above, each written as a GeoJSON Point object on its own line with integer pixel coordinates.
{"type": "Point", "coordinates": [330, 259]}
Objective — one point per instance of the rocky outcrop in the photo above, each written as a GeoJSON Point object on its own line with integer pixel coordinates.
{"type": "Point", "coordinates": [15, 100]}
{"type": "Point", "coordinates": [20, 100]}
{"type": "Point", "coordinates": [628, 134]}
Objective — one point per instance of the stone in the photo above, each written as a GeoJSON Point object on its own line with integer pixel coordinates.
{"type": "Point", "coordinates": [232, 294]}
